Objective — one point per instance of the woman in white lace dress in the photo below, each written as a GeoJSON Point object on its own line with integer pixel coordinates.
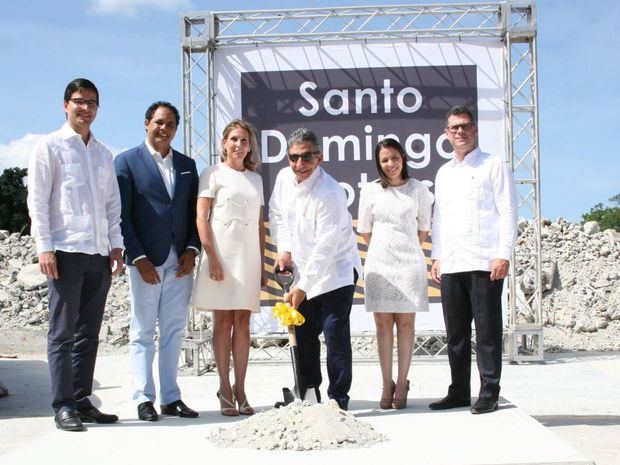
{"type": "Point", "coordinates": [394, 220]}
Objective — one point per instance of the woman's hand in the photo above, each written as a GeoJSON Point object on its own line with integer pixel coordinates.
{"type": "Point", "coordinates": [216, 271]}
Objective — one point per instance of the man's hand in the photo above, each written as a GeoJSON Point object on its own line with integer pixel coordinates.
{"type": "Point", "coordinates": [499, 269]}
{"type": "Point", "coordinates": [47, 264]}
{"type": "Point", "coordinates": [284, 260]}
{"type": "Point", "coordinates": [116, 261]}
{"type": "Point", "coordinates": [295, 297]}
{"type": "Point", "coordinates": [436, 272]}
{"type": "Point", "coordinates": [186, 263]}
{"type": "Point", "coordinates": [147, 271]}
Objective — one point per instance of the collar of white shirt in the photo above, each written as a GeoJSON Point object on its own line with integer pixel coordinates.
{"type": "Point", "coordinates": [309, 183]}
{"type": "Point", "coordinates": [156, 154]}
{"type": "Point", "coordinates": [470, 159]}
{"type": "Point", "coordinates": [67, 132]}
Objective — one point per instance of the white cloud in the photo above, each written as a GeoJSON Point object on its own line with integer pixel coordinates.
{"type": "Point", "coordinates": [15, 154]}
{"type": "Point", "coordinates": [131, 7]}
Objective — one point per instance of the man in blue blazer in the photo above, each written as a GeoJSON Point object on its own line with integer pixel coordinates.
{"type": "Point", "coordinates": [159, 187]}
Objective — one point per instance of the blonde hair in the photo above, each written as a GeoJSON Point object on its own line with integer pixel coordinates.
{"type": "Point", "coordinates": [252, 159]}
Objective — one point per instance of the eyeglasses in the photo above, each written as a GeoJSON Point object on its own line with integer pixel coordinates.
{"type": "Point", "coordinates": [307, 156]}
{"type": "Point", "coordinates": [80, 102]}
{"type": "Point", "coordinates": [454, 128]}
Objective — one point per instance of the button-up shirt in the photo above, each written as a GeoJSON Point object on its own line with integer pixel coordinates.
{"type": "Point", "coordinates": [311, 221]}
{"type": "Point", "coordinates": [164, 164]}
{"type": "Point", "coordinates": [475, 213]}
{"type": "Point", "coordinates": [73, 195]}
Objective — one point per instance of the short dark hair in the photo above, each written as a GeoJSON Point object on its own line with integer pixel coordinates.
{"type": "Point", "coordinates": [391, 144]}
{"type": "Point", "coordinates": [150, 111]}
{"type": "Point", "coordinates": [302, 136]}
{"type": "Point", "coordinates": [460, 110]}
{"type": "Point", "coordinates": [80, 84]}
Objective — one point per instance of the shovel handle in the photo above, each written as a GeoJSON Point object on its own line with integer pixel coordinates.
{"type": "Point", "coordinates": [292, 336]}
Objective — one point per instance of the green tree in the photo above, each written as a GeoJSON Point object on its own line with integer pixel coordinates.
{"type": "Point", "coordinates": [607, 217]}
{"type": "Point", "coordinates": [13, 209]}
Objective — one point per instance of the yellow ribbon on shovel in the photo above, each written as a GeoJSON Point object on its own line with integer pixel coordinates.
{"type": "Point", "coordinates": [288, 315]}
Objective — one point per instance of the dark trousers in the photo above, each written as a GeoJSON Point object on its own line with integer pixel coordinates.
{"type": "Point", "coordinates": [76, 303]}
{"type": "Point", "coordinates": [328, 313]}
{"type": "Point", "coordinates": [465, 296]}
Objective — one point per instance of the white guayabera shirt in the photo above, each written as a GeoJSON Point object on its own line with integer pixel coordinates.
{"type": "Point", "coordinates": [475, 214]}
{"type": "Point", "coordinates": [73, 195]}
{"type": "Point", "coordinates": [310, 219]}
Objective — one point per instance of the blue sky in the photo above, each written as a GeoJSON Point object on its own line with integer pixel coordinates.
{"type": "Point", "coordinates": [130, 49]}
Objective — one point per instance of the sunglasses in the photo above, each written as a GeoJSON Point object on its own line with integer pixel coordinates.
{"type": "Point", "coordinates": [307, 156]}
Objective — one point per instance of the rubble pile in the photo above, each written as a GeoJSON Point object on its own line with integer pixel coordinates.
{"type": "Point", "coordinates": [580, 279]}
{"type": "Point", "coordinates": [23, 293]}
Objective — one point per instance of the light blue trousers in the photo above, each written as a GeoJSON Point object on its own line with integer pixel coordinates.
{"type": "Point", "coordinates": [165, 303]}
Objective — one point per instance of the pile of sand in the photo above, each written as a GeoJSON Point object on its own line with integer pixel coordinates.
{"type": "Point", "coordinates": [298, 426]}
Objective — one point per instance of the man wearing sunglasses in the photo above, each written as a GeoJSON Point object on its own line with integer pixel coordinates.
{"type": "Point", "coordinates": [473, 233]}
{"type": "Point", "coordinates": [311, 227]}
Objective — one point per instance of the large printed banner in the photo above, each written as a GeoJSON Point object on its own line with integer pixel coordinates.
{"type": "Point", "coordinates": [352, 96]}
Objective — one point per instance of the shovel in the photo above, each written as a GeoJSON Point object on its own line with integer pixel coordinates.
{"type": "Point", "coordinates": [285, 278]}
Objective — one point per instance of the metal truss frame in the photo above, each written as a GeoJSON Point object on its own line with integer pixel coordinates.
{"type": "Point", "coordinates": [512, 22]}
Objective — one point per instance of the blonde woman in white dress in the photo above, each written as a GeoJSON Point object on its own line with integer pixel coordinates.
{"type": "Point", "coordinates": [394, 220]}
{"type": "Point", "coordinates": [230, 274]}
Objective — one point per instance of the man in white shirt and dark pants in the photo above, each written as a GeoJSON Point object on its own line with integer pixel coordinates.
{"type": "Point", "coordinates": [75, 208]}
{"type": "Point", "coordinates": [311, 227]}
{"type": "Point", "coordinates": [473, 235]}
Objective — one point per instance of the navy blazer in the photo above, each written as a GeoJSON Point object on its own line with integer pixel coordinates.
{"type": "Point", "coordinates": [151, 221]}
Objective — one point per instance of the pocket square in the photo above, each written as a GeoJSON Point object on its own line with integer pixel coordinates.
{"type": "Point", "coordinates": [186, 172]}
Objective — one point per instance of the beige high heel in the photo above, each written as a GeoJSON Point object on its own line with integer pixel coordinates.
{"type": "Point", "coordinates": [386, 402]}
{"type": "Point", "coordinates": [243, 407]}
{"type": "Point", "coordinates": [229, 409]}
{"type": "Point", "coordinates": [399, 404]}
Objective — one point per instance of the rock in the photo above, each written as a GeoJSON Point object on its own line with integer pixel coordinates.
{"type": "Point", "coordinates": [5, 297]}
{"type": "Point", "coordinates": [548, 273]}
{"type": "Point", "coordinates": [4, 234]}
{"type": "Point", "coordinates": [15, 264]}
{"type": "Point", "coordinates": [612, 236]}
{"type": "Point", "coordinates": [30, 277]}
{"type": "Point", "coordinates": [591, 227]}
{"type": "Point", "coordinates": [555, 228]}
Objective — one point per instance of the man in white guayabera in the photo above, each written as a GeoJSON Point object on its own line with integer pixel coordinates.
{"type": "Point", "coordinates": [311, 227]}
{"type": "Point", "coordinates": [473, 233]}
{"type": "Point", "coordinates": [75, 208]}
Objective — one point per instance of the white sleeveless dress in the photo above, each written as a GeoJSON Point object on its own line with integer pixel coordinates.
{"type": "Point", "coordinates": [235, 213]}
